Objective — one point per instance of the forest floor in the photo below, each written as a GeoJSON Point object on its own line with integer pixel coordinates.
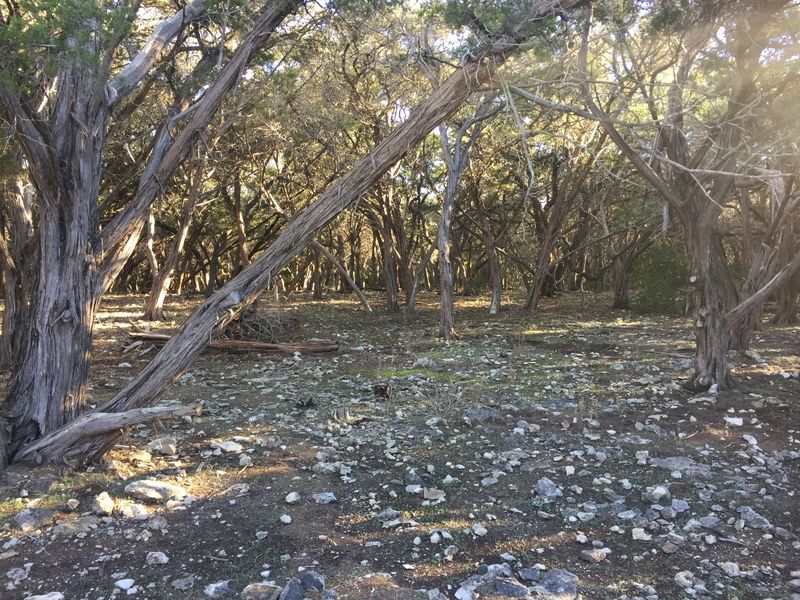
{"type": "Point", "coordinates": [544, 456]}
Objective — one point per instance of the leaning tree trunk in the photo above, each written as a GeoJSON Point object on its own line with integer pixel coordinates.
{"type": "Point", "coordinates": [154, 306]}
{"type": "Point", "coordinates": [77, 262]}
{"type": "Point", "coordinates": [73, 443]}
{"type": "Point", "coordinates": [345, 275]}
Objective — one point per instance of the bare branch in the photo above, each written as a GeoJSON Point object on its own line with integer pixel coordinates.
{"type": "Point", "coordinates": [99, 423]}
{"type": "Point", "coordinates": [129, 77]}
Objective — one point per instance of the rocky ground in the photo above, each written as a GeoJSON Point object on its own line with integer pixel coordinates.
{"type": "Point", "coordinates": [550, 457]}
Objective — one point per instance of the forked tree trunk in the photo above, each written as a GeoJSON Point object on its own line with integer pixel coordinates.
{"type": "Point", "coordinates": [69, 444]}
{"type": "Point", "coordinates": [411, 303]}
{"type": "Point", "coordinates": [623, 265]}
{"type": "Point", "coordinates": [48, 386]}
{"type": "Point", "coordinates": [711, 330]}
{"type": "Point", "coordinates": [456, 159]}
{"type": "Point", "coordinates": [542, 272]}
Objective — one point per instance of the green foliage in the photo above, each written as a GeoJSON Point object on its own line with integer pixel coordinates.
{"type": "Point", "coordinates": [43, 35]}
{"type": "Point", "coordinates": [659, 278]}
{"type": "Point", "coordinates": [486, 21]}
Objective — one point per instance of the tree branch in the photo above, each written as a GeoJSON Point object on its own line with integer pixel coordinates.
{"type": "Point", "coordinates": [123, 83]}
{"type": "Point", "coordinates": [645, 169]}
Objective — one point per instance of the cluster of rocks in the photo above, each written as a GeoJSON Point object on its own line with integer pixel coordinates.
{"type": "Point", "coordinates": [500, 580]}
{"type": "Point", "coordinates": [309, 582]}
{"type": "Point", "coordinates": [621, 497]}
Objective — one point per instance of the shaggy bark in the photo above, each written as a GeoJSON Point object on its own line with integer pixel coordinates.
{"type": "Point", "coordinates": [17, 257]}
{"type": "Point", "coordinates": [698, 184]}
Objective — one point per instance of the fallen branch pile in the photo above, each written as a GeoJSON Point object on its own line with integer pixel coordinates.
{"type": "Point", "coordinates": [253, 326]}
{"type": "Point", "coordinates": [247, 346]}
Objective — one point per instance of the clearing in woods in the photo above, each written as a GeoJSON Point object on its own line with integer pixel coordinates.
{"type": "Point", "coordinates": [560, 447]}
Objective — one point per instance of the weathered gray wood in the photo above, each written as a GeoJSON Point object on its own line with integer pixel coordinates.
{"type": "Point", "coordinates": [98, 423]}
{"type": "Point", "coordinates": [119, 237]}
{"type": "Point", "coordinates": [76, 263]}
{"type": "Point", "coordinates": [129, 77]}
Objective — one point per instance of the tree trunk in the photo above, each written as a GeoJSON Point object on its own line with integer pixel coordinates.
{"type": "Point", "coordinates": [48, 386]}
{"type": "Point", "coordinates": [711, 332]}
{"type": "Point", "coordinates": [345, 275]}
{"type": "Point", "coordinates": [149, 244]}
{"type": "Point", "coordinates": [389, 267]}
{"type": "Point", "coordinates": [242, 252]}
{"type": "Point", "coordinates": [786, 309]}
{"type": "Point", "coordinates": [411, 303]}
{"type": "Point", "coordinates": [245, 287]}
{"type": "Point", "coordinates": [154, 306]}
{"type": "Point", "coordinates": [77, 262]}
{"type": "Point", "coordinates": [316, 275]}
{"type": "Point", "coordinates": [447, 328]}
{"type": "Point", "coordinates": [213, 268]}
{"type": "Point", "coordinates": [621, 284]}
{"type": "Point", "coordinates": [493, 257]}
{"type": "Point", "coordinates": [18, 276]}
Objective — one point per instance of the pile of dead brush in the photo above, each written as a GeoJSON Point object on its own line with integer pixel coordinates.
{"type": "Point", "coordinates": [253, 331]}
{"type": "Point", "coordinates": [260, 326]}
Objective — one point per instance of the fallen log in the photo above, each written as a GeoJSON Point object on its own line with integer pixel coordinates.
{"type": "Point", "coordinates": [247, 346]}
{"type": "Point", "coordinates": [99, 423]}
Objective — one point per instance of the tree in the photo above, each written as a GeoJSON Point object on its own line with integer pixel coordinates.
{"type": "Point", "coordinates": [85, 439]}
{"type": "Point", "coordinates": [698, 183]}
{"type": "Point", "coordinates": [63, 141]}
